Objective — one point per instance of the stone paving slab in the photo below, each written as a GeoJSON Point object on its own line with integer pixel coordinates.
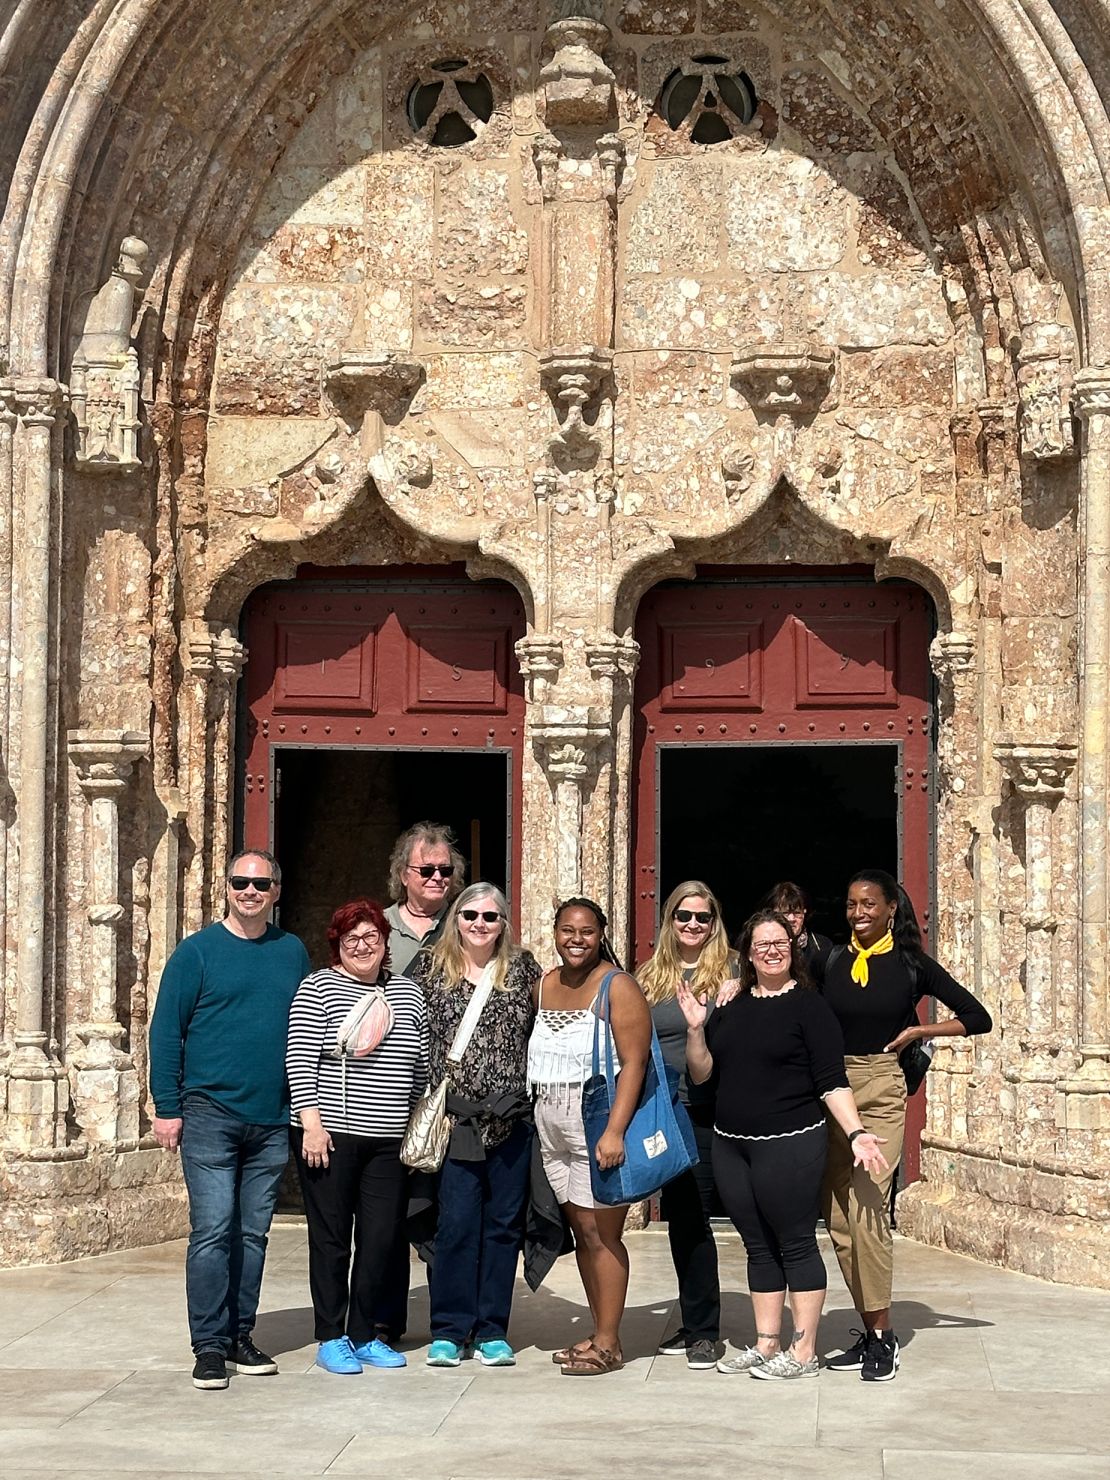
{"type": "Point", "coordinates": [94, 1365]}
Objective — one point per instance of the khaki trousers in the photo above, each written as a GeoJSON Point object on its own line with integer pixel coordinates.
{"type": "Point", "coordinates": [857, 1205]}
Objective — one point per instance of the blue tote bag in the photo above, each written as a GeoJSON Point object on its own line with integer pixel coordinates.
{"type": "Point", "coordinates": [659, 1142]}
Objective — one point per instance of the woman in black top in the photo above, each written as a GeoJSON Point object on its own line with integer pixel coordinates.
{"type": "Point", "coordinates": [873, 985]}
{"type": "Point", "coordinates": [778, 1054]}
{"type": "Point", "coordinates": [792, 903]}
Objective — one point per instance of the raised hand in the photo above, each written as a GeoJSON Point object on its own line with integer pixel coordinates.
{"type": "Point", "coordinates": [693, 1011]}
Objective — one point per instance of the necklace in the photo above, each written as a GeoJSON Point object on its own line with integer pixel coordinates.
{"type": "Point", "coordinates": [413, 914]}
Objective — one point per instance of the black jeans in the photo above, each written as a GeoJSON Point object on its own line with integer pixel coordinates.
{"type": "Point", "coordinates": [687, 1204]}
{"type": "Point", "coordinates": [772, 1192]}
{"type": "Point", "coordinates": [360, 1193]}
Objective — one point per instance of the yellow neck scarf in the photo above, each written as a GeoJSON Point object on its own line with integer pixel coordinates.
{"type": "Point", "coordinates": [882, 947]}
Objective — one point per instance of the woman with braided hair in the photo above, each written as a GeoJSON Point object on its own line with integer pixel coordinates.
{"type": "Point", "coordinates": [560, 1055]}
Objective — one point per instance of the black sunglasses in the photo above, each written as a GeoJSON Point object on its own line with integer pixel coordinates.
{"type": "Point", "coordinates": [244, 881]}
{"type": "Point", "coordinates": [426, 870]}
{"type": "Point", "coordinates": [491, 917]}
{"type": "Point", "coordinates": [703, 917]}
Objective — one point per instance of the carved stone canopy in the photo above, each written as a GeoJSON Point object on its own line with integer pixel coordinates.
{"type": "Point", "coordinates": [1037, 769]}
{"type": "Point", "coordinates": [778, 378]}
{"type": "Point", "coordinates": [369, 380]}
{"type": "Point", "coordinates": [104, 758]}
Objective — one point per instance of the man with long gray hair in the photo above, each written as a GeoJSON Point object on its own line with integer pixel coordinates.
{"type": "Point", "coordinates": [426, 871]}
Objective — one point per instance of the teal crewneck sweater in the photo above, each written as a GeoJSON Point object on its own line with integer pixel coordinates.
{"type": "Point", "coordinates": [221, 1022]}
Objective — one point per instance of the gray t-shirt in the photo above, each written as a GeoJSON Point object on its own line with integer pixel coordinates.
{"type": "Point", "coordinates": [403, 943]}
{"type": "Point", "coordinates": [670, 1029]}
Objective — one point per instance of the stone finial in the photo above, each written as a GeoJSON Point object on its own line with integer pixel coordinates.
{"type": "Point", "coordinates": [104, 381]}
{"type": "Point", "coordinates": [578, 86]}
{"type": "Point", "coordinates": [1037, 769]}
{"type": "Point", "coordinates": [783, 378]}
{"type": "Point", "coordinates": [1091, 391]}
{"type": "Point", "coordinates": [366, 380]}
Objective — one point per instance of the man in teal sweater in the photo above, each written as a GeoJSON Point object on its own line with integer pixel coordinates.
{"type": "Point", "coordinates": [217, 1079]}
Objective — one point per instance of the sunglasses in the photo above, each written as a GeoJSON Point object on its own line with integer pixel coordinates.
{"type": "Point", "coordinates": [491, 917]}
{"type": "Point", "coordinates": [240, 882]}
{"type": "Point", "coordinates": [426, 870]}
{"type": "Point", "coordinates": [703, 917]}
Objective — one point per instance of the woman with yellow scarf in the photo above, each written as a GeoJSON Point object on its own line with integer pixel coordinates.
{"type": "Point", "coordinates": [873, 986]}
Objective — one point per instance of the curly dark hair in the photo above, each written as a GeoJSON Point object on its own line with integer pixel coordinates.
{"type": "Point", "coordinates": [798, 968]}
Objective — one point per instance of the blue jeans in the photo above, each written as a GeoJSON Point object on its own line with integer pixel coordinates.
{"type": "Point", "coordinates": [232, 1171]}
{"type": "Point", "coordinates": [478, 1240]}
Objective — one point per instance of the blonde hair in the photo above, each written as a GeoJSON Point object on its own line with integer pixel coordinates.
{"type": "Point", "coordinates": [446, 958]}
{"type": "Point", "coordinates": [659, 977]}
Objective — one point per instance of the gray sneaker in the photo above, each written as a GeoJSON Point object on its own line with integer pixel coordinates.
{"type": "Point", "coordinates": [744, 1361]}
{"type": "Point", "coordinates": [784, 1365]}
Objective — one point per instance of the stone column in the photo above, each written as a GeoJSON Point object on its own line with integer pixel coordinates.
{"type": "Point", "coordinates": [1092, 404]}
{"type": "Point", "coordinates": [38, 1097]}
{"type": "Point", "coordinates": [565, 741]}
{"type": "Point", "coordinates": [105, 1082]}
{"type": "Point", "coordinates": [200, 665]}
{"type": "Point", "coordinates": [229, 656]}
{"type": "Point", "coordinates": [7, 432]}
{"type": "Point", "coordinates": [613, 662]}
{"type": "Point", "coordinates": [1038, 771]}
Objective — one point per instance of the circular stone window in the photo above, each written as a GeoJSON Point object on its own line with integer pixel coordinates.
{"type": "Point", "coordinates": [708, 99]}
{"type": "Point", "coordinates": [449, 104]}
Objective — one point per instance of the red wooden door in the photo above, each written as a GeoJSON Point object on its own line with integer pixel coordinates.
{"type": "Point", "coordinates": [813, 669]}
{"type": "Point", "coordinates": [386, 664]}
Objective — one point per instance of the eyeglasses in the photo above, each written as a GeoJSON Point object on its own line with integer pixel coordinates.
{"type": "Point", "coordinates": [365, 942]}
{"type": "Point", "coordinates": [239, 882]}
{"type": "Point", "coordinates": [426, 870]}
{"type": "Point", "coordinates": [491, 917]}
{"type": "Point", "coordinates": [765, 947]}
{"type": "Point", "coordinates": [703, 917]}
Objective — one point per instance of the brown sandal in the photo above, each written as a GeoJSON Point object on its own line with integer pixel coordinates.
{"type": "Point", "coordinates": [570, 1353]}
{"type": "Point", "coordinates": [595, 1361]}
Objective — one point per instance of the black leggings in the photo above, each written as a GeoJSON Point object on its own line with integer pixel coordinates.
{"type": "Point", "coordinates": [772, 1192]}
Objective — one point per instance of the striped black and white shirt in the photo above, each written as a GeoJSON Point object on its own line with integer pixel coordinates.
{"type": "Point", "coordinates": [373, 1096]}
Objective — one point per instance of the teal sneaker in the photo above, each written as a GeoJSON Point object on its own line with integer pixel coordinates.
{"type": "Point", "coordinates": [338, 1356]}
{"type": "Point", "coordinates": [495, 1354]}
{"type": "Point", "coordinates": [378, 1353]}
{"type": "Point", "coordinates": [444, 1354]}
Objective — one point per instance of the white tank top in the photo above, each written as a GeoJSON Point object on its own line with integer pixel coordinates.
{"type": "Point", "coordinates": [560, 1050]}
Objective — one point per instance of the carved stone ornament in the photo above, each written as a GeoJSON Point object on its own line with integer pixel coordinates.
{"type": "Point", "coordinates": [612, 657]}
{"type": "Point", "coordinates": [540, 657]}
{"type": "Point", "coordinates": [1037, 769]}
{"type": "Point", "coordinates": [104, 379]}
{"type": "Point", "coordinates": [783, 378]}
{"type": "Point", "coordinates": [368, 380]}
{"type": "Point", "coordinates": [572, 378]}
{"type": "Point", "coordinates": [1044, 380]}
{"type": "Point", "coordinates": [577, 84]}
{"type": "Point", "coordinates": [951, 653]}
{"type": "Point", "coordinates": [737, 468]}
{"type": "Point", "coordinates": [1091, 392]}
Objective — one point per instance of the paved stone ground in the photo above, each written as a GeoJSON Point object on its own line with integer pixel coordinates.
{"type": "Point", "coordinates": [1002, 1377]}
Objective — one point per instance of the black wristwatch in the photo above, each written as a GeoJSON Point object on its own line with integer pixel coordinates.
{"type": "Point", "coordinates": [861, 1132]}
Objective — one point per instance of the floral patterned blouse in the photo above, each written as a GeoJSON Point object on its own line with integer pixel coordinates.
{"type": "Point", "coordinates": [496, 1058]}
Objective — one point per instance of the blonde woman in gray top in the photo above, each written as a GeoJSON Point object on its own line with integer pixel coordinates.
{"type": "Point", "coordinates": [692, 947]}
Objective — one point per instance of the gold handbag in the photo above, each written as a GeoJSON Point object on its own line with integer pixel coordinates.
{"type": "Point", "coordinates": [429, 1130]}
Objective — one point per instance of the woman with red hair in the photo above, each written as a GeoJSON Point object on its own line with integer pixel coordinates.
{"type": "Point", "coordinates": [357, 1063]}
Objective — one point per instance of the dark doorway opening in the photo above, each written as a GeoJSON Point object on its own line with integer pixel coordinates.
{"type": "Point", "coordinates": [338, 813]}
{"type": "Point", "coordinates": [743, 817]}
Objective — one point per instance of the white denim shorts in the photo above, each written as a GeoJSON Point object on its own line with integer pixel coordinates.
{"type": "Point", "coordinates": [566, 1157]}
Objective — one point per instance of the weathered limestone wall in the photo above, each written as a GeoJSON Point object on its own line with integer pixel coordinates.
{"type": "Point", "coordinates": [623, 329]}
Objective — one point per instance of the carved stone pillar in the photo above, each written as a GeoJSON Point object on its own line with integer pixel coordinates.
{"type": "Point", "coordinates": [565, 742]}
{"type": "Point", "coordinates": [200, 664]}
{"type": "Point", "coordinates": [8, 420]}
{"type": "Point", "coordinates": [105, 1083]}
{"type": "Point", "coordinates": [1092, 405]}
{"type": "Point", "coordinates": [229, 656]}
{"type": "Point", "coordinates": [1038, 771]}
{"type": "Point", "coordinates": [38, 1095]}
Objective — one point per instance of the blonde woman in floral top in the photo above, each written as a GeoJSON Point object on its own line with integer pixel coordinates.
{"type": "Point", "coordinates": [483, 1185]}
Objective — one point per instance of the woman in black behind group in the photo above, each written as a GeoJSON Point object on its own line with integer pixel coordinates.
{"type": "Point", "coordinates": [873, 985]}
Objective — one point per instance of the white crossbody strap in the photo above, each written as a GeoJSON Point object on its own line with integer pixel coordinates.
{"type": "Point", "coordinates": [474, 1008]}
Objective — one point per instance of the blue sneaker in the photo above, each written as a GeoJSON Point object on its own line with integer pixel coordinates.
{"type": "Point", "coordinates": [378, 1353]}
{"type": "Point", "coordinates": [495, 1354]}
{"type": "Point", "coordinates": [338, 1356]}
{"type": "Point", "coordinates": [444, 1354]}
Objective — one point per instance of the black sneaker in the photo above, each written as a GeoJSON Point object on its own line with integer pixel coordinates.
{"type": "Point", "coordinates": [852, 1359]}
{"type": "Point", "coordinates": [673, 1345]}
{"type": "Point", "coordinates": [210, 1370]}
{"type": "Point", "coordinates": [880, 1360]}
{"type": "Point", "coordinates": [248, 1361]}
{"type": "Point", "coordinates": [701, 1356]}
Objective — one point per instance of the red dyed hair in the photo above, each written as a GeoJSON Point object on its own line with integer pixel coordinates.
{"type": "Point", "coordinates": [357, 912]}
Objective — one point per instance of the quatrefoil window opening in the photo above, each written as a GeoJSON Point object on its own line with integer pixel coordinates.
{"type": "Point", "coordinates": [708, 98]}
{"type": "Point", "coordinates": [450, 104]}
